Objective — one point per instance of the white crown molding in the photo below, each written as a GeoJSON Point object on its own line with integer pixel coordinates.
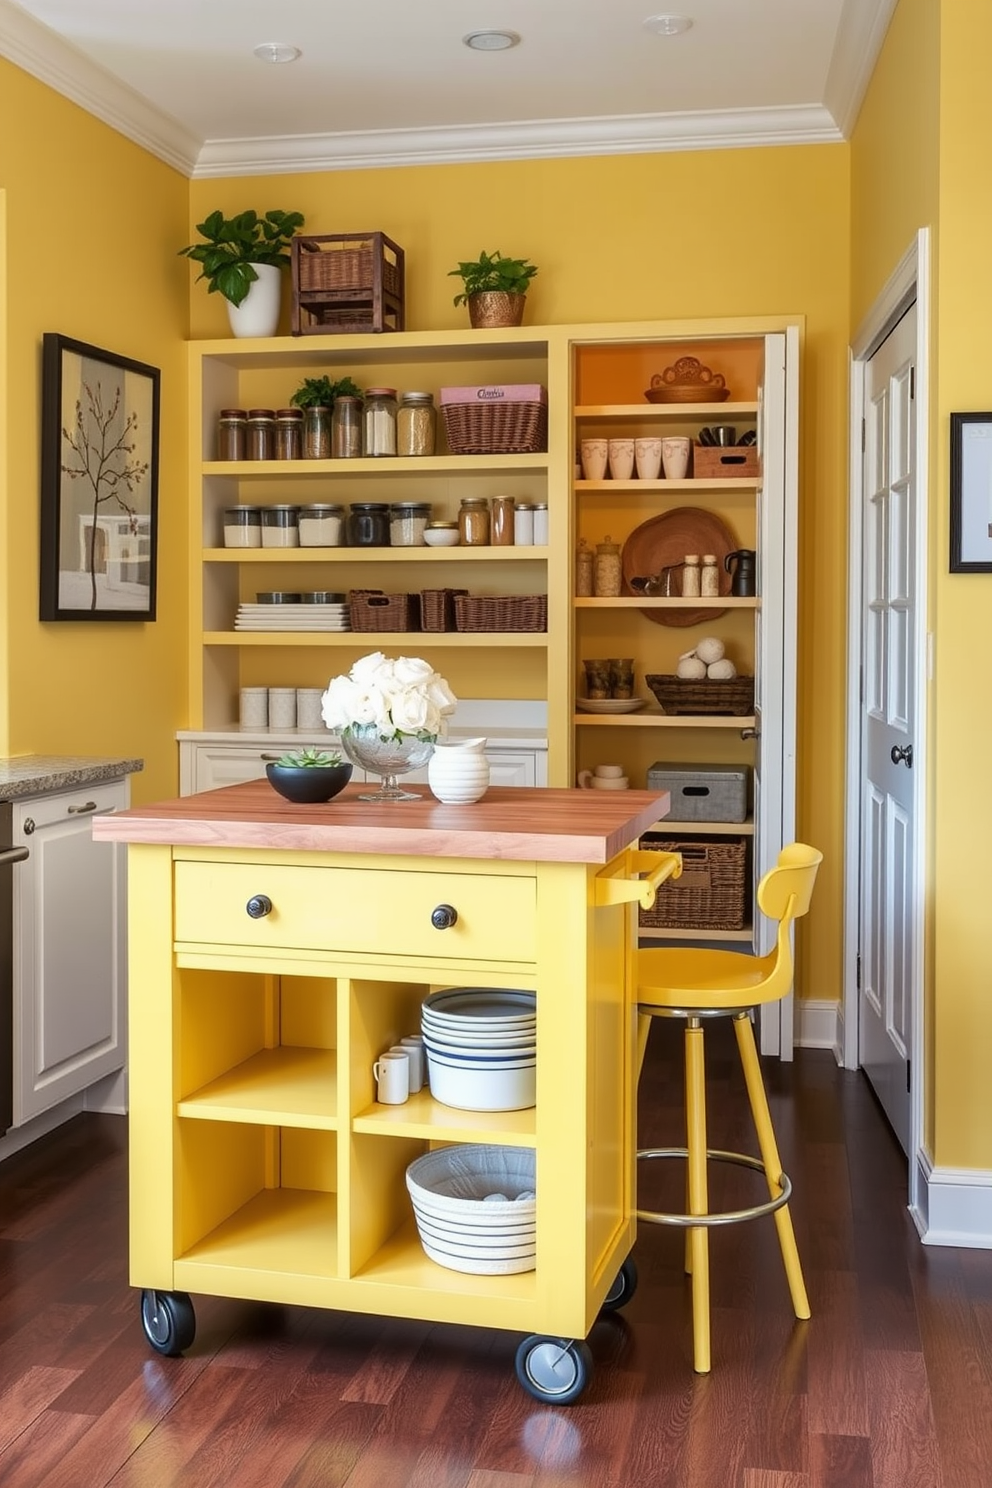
{"type": "Point", "coordinates": [633, 134]}
{"type": "Point", "coordinates": [860, 34]}
{"type": "Point", "coordinates": [38, 51]}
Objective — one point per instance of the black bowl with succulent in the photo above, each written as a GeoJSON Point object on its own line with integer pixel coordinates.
{"type": "Point", "coordinates": [307, 776]}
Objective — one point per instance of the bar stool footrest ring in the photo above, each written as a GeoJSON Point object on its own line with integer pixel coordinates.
{"type": "Point", "coordinates": [720, 1217]}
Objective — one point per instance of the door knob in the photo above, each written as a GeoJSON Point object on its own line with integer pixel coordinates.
{"type": "Point", "coordinates": [444, 916]}
{"type": "Point", "coordinates": [902, 754]}
{"type": "Point", "coordinates": [258, 906]}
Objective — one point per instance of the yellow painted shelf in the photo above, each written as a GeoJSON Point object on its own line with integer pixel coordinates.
{"type": "Point", "coordinates": [375, 555]}
{"type": "Point", "coordinates": [717, 413]}
{"type": "Point", "coordinates": [537, 640]}
{"type": "Point", "coordinates": [401, 1262]}
{"type": "Point", "coordinates": [748, 483]}
{"type": "Point", "coordinates": [422, 1116]}
{"type": "Point", "coordinates": [293, 1231]}
{"type": "Point", "coordinates": [392, 465]}
{"type": "Point", "coordinates": [714, 829]}
{"type": "Point", "coordinates": [277, 1087]}
{"type": "Point", "coordinates": [652, 719]}
{"type": "Point", "coordinates": [641, 602]}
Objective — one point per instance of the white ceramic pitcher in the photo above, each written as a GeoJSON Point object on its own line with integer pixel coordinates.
{"type": "Point", "coordinates": [458, 770]}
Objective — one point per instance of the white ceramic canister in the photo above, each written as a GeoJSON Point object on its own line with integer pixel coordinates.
{"type": "Point", "coordinates": [458, 771]}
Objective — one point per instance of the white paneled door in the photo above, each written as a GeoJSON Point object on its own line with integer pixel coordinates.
{"type": "Point", "coordinates": [889, 723]}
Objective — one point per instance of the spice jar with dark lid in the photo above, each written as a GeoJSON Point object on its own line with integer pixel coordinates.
{"type": "Point", "coordinates": [289, 433]}
{"type": "Point", "coordinates": [261, 434]}
{"type": "Point", "coordinates": [280, 526]}
{"type": "Point", "coordinates": [232, 430]}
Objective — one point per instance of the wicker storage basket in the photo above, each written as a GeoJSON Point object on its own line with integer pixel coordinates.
{"type": "Point", "coordinates": [346, 282]}
{"type": "Point", "coordinates": [680, 695]}
{"type": "Point", "coordinates": [722, 462]}
{"type": "Point", "coordinates": [437, 608]}
{"type": "Point", "coordinates": [501, 612]}
{"type": "Point", "coordinates": [509, 419]}
{"type": "Point", "coordinates": [370, 609]}
{"type": "Point", "coordinates": [711, 894]}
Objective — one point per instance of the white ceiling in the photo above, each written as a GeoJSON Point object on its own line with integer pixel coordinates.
{"type": "Point", "coordinates": [385, 82]}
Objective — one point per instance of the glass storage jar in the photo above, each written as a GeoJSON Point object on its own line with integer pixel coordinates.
{"type": "Point", "coordinates": [540, 524]}
{"type": "Point", "coordinates": [583, 570]}
{"type": "Point", "coordinates": [232, 433]}
{"type": "Point", "coordinates": [473, 521]}
{"type": "Point", "coordinates": [346, 428]}
{"type": "Point", "coordinates": [289, 433]}
{"type": "Point", "coordinates": [379, 422]}
{"type": "Point", "coordinates": [368, 524]}
{"type": "Point", "coordinates": [690, 576]}
{"type": "Point", "coordinates": [709, 576]}
{"type": "Point", "coordinates": [261, 443]}
{"type": "Point", "coordinates": [502, 522]}
{"type": "Point", "coordinates": [416, 424]}
{"type": "Point", "coordinates": [408, 523]}
{"type": "Point", "coordinates": [317, 432]}
{"type": "Point", "coordinates": [607, 574]}
{"type": "Point", "coordinates": [242, 527]}
{"type": "Point", "coordinates": [280, 526]}
{"type": "Point", "coordinates": [523, 524]}
{"type": "Point", "coordinates": [321, 525]}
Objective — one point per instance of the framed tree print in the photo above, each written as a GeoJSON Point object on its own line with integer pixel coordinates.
{"type": "Point", "coordinates": [99, 483]}
{"type": "Point", "coordinates": [971, 493]}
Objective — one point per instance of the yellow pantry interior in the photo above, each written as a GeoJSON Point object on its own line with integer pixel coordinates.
{"type": "Point", "coordinates": [90, 225]}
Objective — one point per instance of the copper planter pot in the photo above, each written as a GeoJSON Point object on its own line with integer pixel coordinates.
{"type": "Point", "coordinates": [488, 308]}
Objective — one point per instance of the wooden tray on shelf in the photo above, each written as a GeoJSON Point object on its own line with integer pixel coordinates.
{"type": "Point", "coordinates": [664, 540]}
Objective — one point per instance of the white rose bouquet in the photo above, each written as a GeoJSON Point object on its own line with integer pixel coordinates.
{"type": "Point", "coordinates": [400, 698]}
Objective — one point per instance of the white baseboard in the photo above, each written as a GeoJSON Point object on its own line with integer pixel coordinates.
{"type": "Point", "coordinates": [955, 1205]}
{"type": "Point", "coordinates": [818, 1025]}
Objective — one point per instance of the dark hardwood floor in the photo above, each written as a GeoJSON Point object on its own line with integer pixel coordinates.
{"type": "Point", "coordinates": [888, 1386]}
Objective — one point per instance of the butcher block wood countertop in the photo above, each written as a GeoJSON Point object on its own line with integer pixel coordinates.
{"type": "Point", "coordinates": [519, 823]}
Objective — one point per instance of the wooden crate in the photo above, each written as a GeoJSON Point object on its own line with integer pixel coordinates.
{"type": "Point", "coordinates": [347, 282]}
{"type": "Point", "coordinates": [736, 462]}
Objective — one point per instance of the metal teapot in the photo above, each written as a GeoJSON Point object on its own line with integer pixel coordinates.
{"type": "Point", "coordinates": [743, 584]}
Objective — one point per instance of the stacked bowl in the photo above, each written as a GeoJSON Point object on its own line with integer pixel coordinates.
{"type": "Point", "coordinates": [476, 1208]}
{"type": "Point", "coordinates": [481, 1045]}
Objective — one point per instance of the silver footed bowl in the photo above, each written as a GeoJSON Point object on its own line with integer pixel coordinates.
{"type": "Point", "coordinates": [365, 747]}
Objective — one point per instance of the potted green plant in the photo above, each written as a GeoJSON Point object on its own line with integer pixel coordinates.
{"type": "Point", "coordinates": [308, 775]}
{"type": "Point", "coordinates": [494, 288]}
{"type": "Point", "coordinates": [320, 392]}
{"type": "Point", "coordinates": [242, 259]}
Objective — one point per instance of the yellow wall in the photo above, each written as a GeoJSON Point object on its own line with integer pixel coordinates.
{"type": "Point", "coordinates": [93, 223]}
{"type": "Point", "coordinates": [721, 233]}
{"type": "Point", "coordinates": [962, 605]}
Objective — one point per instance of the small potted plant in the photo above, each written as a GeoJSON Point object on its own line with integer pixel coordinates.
{"type": "Point", "coordinates": [307, 776]}
{"type": "Point", "coordinates": [495, 289]}
{"type": "Point", "coordinates": [320, 392]}
{"type": "Point", "coordinates": [242, 259]}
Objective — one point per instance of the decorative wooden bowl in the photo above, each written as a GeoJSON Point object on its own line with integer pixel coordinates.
{"type": "Point", "coordinates": [687, 381]}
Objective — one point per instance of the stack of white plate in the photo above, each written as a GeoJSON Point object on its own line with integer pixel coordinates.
{"type": "Point", "coordinates": [476, 1208]}
{"type": "Point", "coordinates": [481, 1047]}
{"type": "Point", "coordinates": [297, 617]}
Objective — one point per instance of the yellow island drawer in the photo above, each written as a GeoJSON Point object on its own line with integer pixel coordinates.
{"type": "Point", "coordinates": [334, 909]}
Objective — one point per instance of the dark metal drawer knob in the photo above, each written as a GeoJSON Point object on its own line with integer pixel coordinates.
{"type": "Point", "coordinates": [444, 916]}
{"type": "Point", "coordinates": [258, 906]}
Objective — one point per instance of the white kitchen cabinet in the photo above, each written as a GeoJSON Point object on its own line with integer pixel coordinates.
{"type": "Point", "coordinates": [69, 947]}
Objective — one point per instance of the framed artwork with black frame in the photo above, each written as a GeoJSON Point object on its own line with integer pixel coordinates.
{"type": "Point", "coordinates": [99, 483]}
{"type": "Point", "coordinates": [971, 493]}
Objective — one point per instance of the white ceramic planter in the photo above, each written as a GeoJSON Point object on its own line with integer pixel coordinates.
{"type": "Point", "coordinates": [458, 771]}
{"type": "Point", "coordinates": [258, 313]}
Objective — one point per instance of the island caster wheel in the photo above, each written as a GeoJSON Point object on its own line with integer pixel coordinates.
{"type": "Point", "coordinates": [555, 1370]}
{"type": "Point", "coordinates": [168, 1320]}
{"type": "Point", "coordinates": [623, 1287]}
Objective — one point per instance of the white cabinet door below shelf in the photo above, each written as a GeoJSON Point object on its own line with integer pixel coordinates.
{"type": "Point", "coordinates": [69, 957]}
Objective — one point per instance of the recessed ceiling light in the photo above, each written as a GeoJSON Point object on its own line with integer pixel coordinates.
{"type": "Point", "coordinates": [277, 51]}
{"type": "Point", "coordinates": [491, 41]}
{"type": "Point", "coordinates": [667, 25]}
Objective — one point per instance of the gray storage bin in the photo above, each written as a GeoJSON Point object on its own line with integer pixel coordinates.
{"type": "Point", "coordinates": [703, 792]}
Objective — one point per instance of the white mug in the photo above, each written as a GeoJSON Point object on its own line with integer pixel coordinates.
{"type": "Point", "coordinates": [593, 453]}
{"type": "Point", "coordinates": [675, 450]}
{"type": "Point", "coordinates": [647, 458]}
{"type": "Point", "coordinates": [413, 1047]}
{"type": "Point", "coordinates": [391, 1072]}
{"type": "Point", "coordinates": [621, 458]}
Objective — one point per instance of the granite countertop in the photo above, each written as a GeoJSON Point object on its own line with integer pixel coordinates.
{"type": "Point", "coordinates": [39, 774]}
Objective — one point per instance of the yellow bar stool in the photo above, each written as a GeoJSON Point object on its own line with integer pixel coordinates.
{"type": "Point", "coordinates": [696, 985]}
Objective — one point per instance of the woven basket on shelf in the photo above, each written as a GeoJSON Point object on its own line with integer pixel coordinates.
{"type": "Point", "coordinates": [711, 893]}
{"type": "Point", "coordinates": [500, 420]}
{"type": "Point", "coordinates": [370, 609]}
{"type": "Point", "coordinates": [501, 612]}
{"type": "Point", "coordinates": [680, 695]}
{"type": "Point", "coordinates": [437, 608]}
